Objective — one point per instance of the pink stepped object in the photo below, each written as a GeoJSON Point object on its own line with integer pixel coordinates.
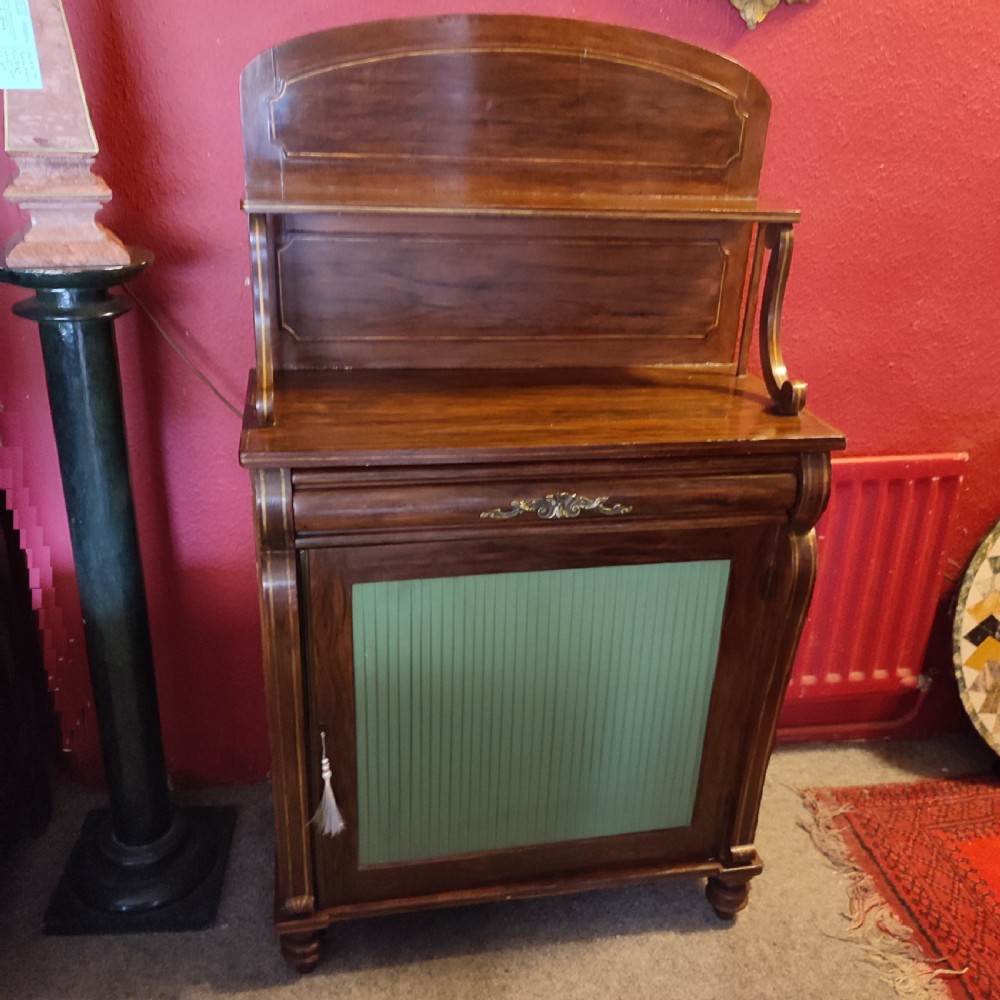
{"type": "Point", "coordinates": [50, 137]}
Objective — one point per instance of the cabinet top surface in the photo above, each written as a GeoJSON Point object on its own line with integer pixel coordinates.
{"type": "Point", "coordinates": [370, 417]}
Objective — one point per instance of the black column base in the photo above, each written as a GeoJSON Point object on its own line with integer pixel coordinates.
{"type": "Point", "coordinates": [173, 884]}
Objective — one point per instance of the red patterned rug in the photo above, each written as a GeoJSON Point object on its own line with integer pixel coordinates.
{"type": "Point", "coordinates": [924, 866]}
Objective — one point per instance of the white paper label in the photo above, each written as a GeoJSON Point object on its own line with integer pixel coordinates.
{"type": "Point", "coordinates": [18, 51]}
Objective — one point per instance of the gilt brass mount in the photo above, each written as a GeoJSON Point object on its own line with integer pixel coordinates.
{"type": "Point", "coordinates": [557, 506]}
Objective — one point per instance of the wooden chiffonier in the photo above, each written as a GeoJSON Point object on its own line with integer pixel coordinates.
{"type": "Point", "coordinates": [535, 548]}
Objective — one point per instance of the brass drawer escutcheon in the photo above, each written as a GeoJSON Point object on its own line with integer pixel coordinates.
{"type": "Point", "coordinates": [557, 506]}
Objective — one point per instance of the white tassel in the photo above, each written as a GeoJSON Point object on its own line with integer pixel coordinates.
{"type": "Point", "coordinates": [327, 816]}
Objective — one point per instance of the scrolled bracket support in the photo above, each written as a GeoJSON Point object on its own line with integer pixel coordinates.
{"type": "Point", "coordinates": [788, 395]}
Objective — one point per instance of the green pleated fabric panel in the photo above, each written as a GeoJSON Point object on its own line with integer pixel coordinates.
{"type": "Point", "coordinates": [510, 709]}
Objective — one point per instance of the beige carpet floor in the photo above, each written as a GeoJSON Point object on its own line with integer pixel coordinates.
{"type": "Point", "coordinates": [659, 941]}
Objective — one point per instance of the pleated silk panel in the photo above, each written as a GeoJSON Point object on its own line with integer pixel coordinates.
{"type": "Point", "coordinates": [503, 710]}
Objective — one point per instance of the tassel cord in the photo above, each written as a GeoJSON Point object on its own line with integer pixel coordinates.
{"type": "Point", "coordinates": [328, 817]}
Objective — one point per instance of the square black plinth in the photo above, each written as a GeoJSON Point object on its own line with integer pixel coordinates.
{"type": "Point", "coordinates": [68, 914]}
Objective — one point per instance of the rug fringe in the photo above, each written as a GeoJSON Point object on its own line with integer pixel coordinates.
{"type": "Point", "coordinates": [887, 942]}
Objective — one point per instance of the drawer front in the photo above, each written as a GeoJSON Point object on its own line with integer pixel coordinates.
{"type": "Point", "coordinates": [323, 507]}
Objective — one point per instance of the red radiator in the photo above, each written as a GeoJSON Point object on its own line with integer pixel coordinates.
{"type": "Point", "coordinates": [881, 543]}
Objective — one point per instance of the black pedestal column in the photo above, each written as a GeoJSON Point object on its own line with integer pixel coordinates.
{"type": "Point", "coordinates": [141, 864]}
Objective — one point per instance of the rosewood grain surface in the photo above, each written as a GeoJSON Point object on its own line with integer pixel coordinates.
{"type": "Point", "coordinates": [496, 260]}
{"type": "Point", "coordinates": [509, 295]}
{"type": "Point", "coordinates": [495, 111]}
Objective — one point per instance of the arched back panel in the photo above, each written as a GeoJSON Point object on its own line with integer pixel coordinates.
{"type": "Point", "coordinates": [498, 112]}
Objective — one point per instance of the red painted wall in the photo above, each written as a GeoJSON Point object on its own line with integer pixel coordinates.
{"type": "Point", "coordinates": [884, 132]}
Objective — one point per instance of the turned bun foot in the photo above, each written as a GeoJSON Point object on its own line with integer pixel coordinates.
{"type": "Point", "coordinates": [726, 898]}
{"type": "Point", "coordinates": [302, 950]}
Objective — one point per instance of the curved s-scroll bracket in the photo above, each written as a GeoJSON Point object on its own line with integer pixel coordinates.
{"type": "Point", "coordinates": [789, 395]}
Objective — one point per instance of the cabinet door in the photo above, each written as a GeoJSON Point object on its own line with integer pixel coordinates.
{"type": "Point", "coordinates": [530, 704]}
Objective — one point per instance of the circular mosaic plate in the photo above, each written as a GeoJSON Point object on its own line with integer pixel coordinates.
{"type": "Point", "coordinates": [977, 639]}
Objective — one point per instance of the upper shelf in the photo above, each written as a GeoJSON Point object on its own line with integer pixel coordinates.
{"type": "Point", "coordinates": [586, 206]}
